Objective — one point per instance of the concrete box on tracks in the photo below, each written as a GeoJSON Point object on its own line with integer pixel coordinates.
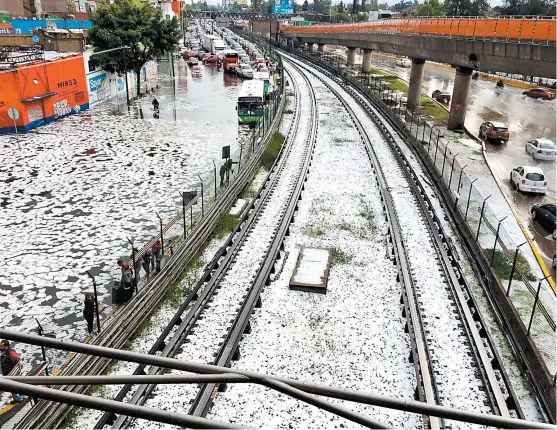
{"type": "Point", "coordinates": [311, 273]}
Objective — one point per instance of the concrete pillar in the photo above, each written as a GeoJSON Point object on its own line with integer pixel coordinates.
{"type": "Point", "coordinates": [366, 62]}
{"type": "Point", "coordinates": [320, 48]}
{"type": "Point", "coordinates": [415, 85]}
{"type": "Point", "coordinates": [459, 100]}
{"type": "Point", "coordinates": [351, 59]}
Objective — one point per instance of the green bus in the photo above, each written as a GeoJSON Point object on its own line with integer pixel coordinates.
{"type": "Point", "coordinates": [251, 102]}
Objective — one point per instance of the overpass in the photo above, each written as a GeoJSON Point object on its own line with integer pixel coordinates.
{"type": "Point", "coordinates": [518, 45]}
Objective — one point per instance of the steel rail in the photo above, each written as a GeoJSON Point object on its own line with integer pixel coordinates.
{"type": "Point", "coordinates": [490, 380]}
{"type": "Point", "coordinates": [47, 414]}
{"type": "Point", "coordinates": [206, 395]}
{"type": "Point", "coordinates": [242, 231]}
{"type": "Point", "coordinates": [424, 374]}
{"type": "Point", "coordinates": [256, 377]}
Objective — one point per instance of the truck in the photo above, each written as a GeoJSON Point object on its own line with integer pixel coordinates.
{"type": "Point", "coordinates": [213, 44]}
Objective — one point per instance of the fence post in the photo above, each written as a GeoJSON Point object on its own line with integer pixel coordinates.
{"type": "Point", "coordinates": [452, 170]}
{"type": "Point", "coordinates": [514, 266]}
{"type": "Point", "coordinates": [444, 159]}
{"type": "Point", "coordinates": [436, 147]}
{"type": "Point", "coordinates": [481, 215]}
{"type": "Point", "coordinates": [40, 332]}
{"type": "Point", "coordinates": [202, 204]}
{"type": "Point", "coordinates": [468, 203]}
{"type": "Point", "coordinates": [460, 177]}
{"type": "Point", "coordinates": [535, 304]}
{"type": "Point", "coordinates": [495, 244]}
{"type": "Point", "coordinates": [423, 132]}
{"type": "Point", "coordinates": [215, 170]}
{"type": "Point", "coordinates": [96, 298]}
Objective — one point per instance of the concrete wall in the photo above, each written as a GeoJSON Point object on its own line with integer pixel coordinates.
{"type": "Point", "coordinates": [496, 56]}
{"type": "Point", "coordinates": [15, 40]}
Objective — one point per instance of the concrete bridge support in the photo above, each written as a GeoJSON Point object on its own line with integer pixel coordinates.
{"type": "Point", "coordinates": [351, 58]}
{"type": "Point", "coordinates": [320, 48]}
{"type": "Point", "coordinates": [415, 85]}
{"type": "Point", "coordinates": [459, 100]}
{"type": "Point", "coordinates": [366, 62]}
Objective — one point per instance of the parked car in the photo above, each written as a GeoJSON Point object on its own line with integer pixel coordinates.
{"type": "Point", "coordinates": [245, 71]}
{"type": "Point", "coordinates": [441, 96]}
{"type": "Point", "coordinates": [494, 131]}
{"type": "Point", "coordinates": [539, 93]}
{"type": "Point", "coordinates": [403, 62]}
{"type": "Point", "coordinates": [212, 59]}
{"type": "Point", "coordinates": [192, 61]}
{"type": "Point", "coordinates": [197, 71]}
{"type": "Point", "coordinates": [529, 179]}
{"type": "Point", "coordinates": [207, 54]}
{"type": "Point", "coordinates": [544, 215]}
{"type": "Point", "coordinates": [542, 149]}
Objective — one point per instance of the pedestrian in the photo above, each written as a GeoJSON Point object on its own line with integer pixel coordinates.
{"type": "Point", "coordinates": [127, 277]}
{"type": "Point", "coordinates": [155, 104]}
{"type": "Point", "coordinates": [146, 262]}
{"type": "Point", "coordinates": [89, 311]}
{"type": "Point", "coordinates": [222, 173]}
{"type": "Point", "coordinates": [11, 366]}
{"type": "Point", "coordinates": [137, 265]}
{"type": "Point", "coordinates": [156, 250]}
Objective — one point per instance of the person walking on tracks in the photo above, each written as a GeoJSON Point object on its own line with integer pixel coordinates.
{"type": "Point", "coordinates": [89, 311]}
{"type": "Point", "coordinates": [11, 366]}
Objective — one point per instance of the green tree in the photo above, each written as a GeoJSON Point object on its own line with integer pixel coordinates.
{"type": "Point", "coordinates": [431, 8]}
{"type": "Point", "coordinates": [305, 6]}
{"type": "Point", "coordinates": [528, 7]}
{"type": "Point", "coordinates": [340, 7]}
{"type": "Point", "coordinates": [137, 25]}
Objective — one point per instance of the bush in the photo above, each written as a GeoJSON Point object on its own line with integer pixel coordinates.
{"type": "Point", "coordinates": [272, 151]}
{"type": "Point", "coordinates": [502, 266]}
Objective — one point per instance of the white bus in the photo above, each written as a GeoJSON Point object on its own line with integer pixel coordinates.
{"type": "Point", "coordinates": [267, 87]}
{"type": "Point", "coordinates": [251, 101]}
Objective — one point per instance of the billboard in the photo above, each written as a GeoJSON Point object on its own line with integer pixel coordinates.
{"type": "Point", "coordinates": [283, 6]}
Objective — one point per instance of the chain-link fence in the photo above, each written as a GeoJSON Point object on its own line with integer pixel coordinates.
{"type": "Point", "coordinates": [512, 262]}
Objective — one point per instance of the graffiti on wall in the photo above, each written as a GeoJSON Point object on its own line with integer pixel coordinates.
{"type": "Point", "coordinates": [35, 113]}
{"type": "Point", "coordinates": [61, 108]}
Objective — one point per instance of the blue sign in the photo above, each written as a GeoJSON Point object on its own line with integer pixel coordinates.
{"type": "Point", "coordinates": [35, 39]}
{"type": "Point", "coordinates": [283, 6]}
{"type": "Point", "coordinates": [97, 82]}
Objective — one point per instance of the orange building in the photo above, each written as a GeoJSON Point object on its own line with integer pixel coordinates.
{"type": "Point", "coordinates": [42, 92]}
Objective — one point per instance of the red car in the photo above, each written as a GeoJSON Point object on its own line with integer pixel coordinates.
{"type": "Point", "coordinates": [189, 54]}
{"type": "Point", "coordinates": [211, 59]}
{"type": "Point", "coordinates": [205, 56]}
{"type": "Point", "coordinates": [539, 93]}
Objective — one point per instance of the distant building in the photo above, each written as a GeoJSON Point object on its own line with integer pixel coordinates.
{"type": "Point", "coordinates": [379, 14]}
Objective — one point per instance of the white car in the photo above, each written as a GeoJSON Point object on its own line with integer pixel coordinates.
{"type": "Point", "coordinates": [542, 149]}
{"type": "Point", "coordinates": [245, 71]}
{"type": "Point", "coordinates": [529, 179]}
{"type": "Point", "coordinates": [403, 62]}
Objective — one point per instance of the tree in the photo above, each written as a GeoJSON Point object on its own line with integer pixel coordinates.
{"type": "Point", "coordinates": [431, 8]}
{"type": "Point", "coordinates": [528, 7]}
{"type": "Point", "coordinates": [134, 24]}
{"type": "Point", "coordinates": [354, 7]}
{"type": "Point", "coordinates": [340, 7]}
{"type": "Point", "coordinates": [305, 6]}
{"type": "Point", "coordinates": [71, 6]}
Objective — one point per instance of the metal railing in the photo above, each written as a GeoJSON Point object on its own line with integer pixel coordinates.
{"type": "Point", "coordinates": [524, 30]}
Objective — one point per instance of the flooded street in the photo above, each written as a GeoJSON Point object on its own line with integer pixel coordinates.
{"type": "Point", "coordinates": [79, 187]}
{"type": "Point", "coordinates": [526, 119]}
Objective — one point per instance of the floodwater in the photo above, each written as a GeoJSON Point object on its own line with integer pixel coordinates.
{"type": "Point", "coordinates": [80, 187]}
{"type": "Point", "coordinates": [526, 119]}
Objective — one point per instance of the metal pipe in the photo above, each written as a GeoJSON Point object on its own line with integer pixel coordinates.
{"type": "Point", "coordinates": [323, 404]}
{"type": "Point", "coordinates": [495, 244]}
{"type": "Point", "coordinates": [445, 159]}
{"type": "Point", "coordinates": [460, 177]}
{"type": "Point", "coordinates": [452, 170]}
{"type": "Point", "coordinates": [130, 379]}
{"type": "Point", "coordinates": [514, 266]}
{"type": "Point", "coordinates": [184, 213]}
{"type": "Point", "coordinates": [152, 414]}
{"type": "Point", "coordinates": [312, 388]}
{"type": "Point", "coordinates": [481, 216]}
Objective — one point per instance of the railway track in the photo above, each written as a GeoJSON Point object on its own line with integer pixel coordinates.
{"type": "Point", "coordinates": [460, 345]}
{"type": "Point", "coordinates": [200, 331]}
{"type": "Point", "coordinates": [48, 414]}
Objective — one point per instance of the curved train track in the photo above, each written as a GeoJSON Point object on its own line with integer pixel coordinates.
{"type": "Point", "coordinates": [210, 329]}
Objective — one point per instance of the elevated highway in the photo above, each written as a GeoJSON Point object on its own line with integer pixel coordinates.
{"type": "Point", "coordinates": [514, 45]}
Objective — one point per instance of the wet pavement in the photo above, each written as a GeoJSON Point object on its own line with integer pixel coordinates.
{"type": "Point", "coordinates": [526, 118]}
{"type": "Point", "coordinates": [79, 187]}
